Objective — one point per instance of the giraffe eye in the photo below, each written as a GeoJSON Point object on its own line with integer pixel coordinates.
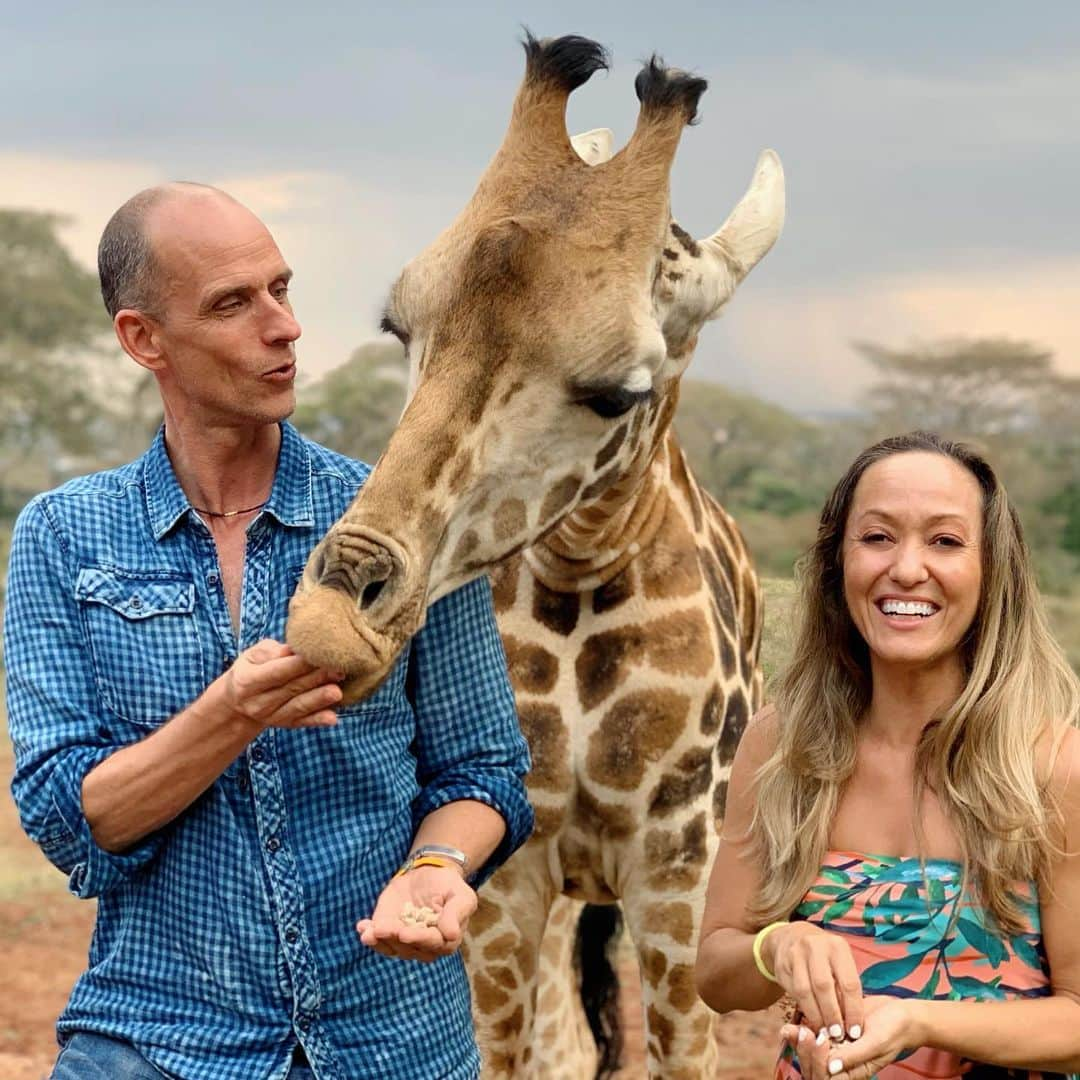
{"type": "Point", "coordinates": [615, 402]}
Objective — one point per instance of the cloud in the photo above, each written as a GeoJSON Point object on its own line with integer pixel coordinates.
{"type": "Point", "coordinates": [794, 345]}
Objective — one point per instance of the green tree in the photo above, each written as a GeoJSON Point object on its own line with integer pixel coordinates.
{"type": "Point", "coordinates": [51, 320]}
{"type": "Point", "coordinates": [355, 407]}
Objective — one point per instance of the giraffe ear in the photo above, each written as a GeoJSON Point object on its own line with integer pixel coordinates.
{"type": "Point", "coordinates": [593, 147]}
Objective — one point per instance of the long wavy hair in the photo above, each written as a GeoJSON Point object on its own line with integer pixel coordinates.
{"type": "Point", "coordinates": [978, 757]}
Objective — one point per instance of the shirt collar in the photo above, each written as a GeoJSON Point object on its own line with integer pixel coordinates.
{"type": "Point", "coordinates": [290, 502]}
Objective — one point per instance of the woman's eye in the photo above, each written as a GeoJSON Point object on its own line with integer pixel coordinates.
{"type": "Point", "coordinates": [875, 538]}
{"type": "Point", "coordinates": [616, 402]}
{"type": "Point", "coordinates": [948, 541]}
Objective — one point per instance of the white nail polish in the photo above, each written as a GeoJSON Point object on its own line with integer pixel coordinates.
{"type": "Point", "coordinates": [855, 1031]}
{"type": "Point", "coordinates": [836, 1031]}
{"type": "Point", "coordinates": [835, 1066]}
{"type": "Point", "coordinates": [822, 1037]}
{"type": "Point", "coordinates": [805, 1034]}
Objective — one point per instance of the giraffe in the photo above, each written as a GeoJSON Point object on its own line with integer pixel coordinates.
{"type": "Point", "coordinates": [547, 330]}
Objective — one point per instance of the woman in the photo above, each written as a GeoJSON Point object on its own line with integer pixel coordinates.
{"type": "Point", "coordinates": [900, 848]}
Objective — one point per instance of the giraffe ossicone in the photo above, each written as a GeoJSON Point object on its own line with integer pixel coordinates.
{"type": "Point", "coordinates": [547, 329]}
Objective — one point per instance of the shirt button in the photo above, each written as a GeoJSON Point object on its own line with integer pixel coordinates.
{"type": "Point", "coordinates": [292, 935]}
{"type": "Point", "coordinates": [273, 844]}
{"type": "Point", "coordinates": [135, 602]}
{"type": "Point", "coordinates": [257, 753]}
{"type": "Point", "coordinates": [304, 1023]}
{"type": "Point", "coordinates": [212, 578]}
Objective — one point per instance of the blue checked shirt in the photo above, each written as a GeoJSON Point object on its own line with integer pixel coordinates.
{"type": "Point", "coordinates": [227, 936]}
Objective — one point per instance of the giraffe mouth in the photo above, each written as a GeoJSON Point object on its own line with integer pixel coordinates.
{"type": "Point", "coordinates": [354, 609]}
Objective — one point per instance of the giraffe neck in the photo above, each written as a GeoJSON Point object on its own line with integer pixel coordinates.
{"type": "Point", "coordinates": [595, 542]}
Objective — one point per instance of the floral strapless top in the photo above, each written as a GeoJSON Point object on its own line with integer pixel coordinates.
{"type": "Point", "coordinates": [913, 935]}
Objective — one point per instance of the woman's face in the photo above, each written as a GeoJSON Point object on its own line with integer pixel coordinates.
{"type": "Point", "coordinates": [912, 559]}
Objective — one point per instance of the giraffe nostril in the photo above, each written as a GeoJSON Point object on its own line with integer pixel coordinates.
{"type": "Point", "coordinates": [370, 594]}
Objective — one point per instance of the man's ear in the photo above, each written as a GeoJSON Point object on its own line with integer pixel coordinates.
{"type": "Point", "coordinates": [138, 337]}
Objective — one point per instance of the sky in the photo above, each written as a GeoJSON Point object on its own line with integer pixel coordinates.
{"type": "Point", "coordinates": [931, 151]}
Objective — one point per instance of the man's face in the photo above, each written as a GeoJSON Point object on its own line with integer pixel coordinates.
{"type": "Point", "coordinates": [226, 327]}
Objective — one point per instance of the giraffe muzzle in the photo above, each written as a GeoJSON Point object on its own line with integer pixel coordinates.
{"type": "Point", "coordinates": [352, 611]}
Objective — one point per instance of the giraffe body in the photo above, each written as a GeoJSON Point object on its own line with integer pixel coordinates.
{"type": "Point", "coordinates": [633, 696]}
{"type": "Point", "coordinates": [547, 330]}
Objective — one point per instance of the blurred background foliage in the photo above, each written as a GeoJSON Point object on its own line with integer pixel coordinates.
{"type": "Point", "coordinates": [70, 402]}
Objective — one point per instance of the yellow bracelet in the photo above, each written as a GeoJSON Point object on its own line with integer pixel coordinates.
{"type": "Point", "coordinates": [759, 938]}
{"type": "Point", "coordinates": [426, 860]}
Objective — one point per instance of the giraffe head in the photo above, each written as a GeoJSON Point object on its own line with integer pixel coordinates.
{"type": "Point", "coordinates": [547, 329]}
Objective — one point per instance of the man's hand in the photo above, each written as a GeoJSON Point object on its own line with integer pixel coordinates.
{"type": "Point", "coordinates": [270, 686]}
{"type": "Point", "coordinates": [444, 891]}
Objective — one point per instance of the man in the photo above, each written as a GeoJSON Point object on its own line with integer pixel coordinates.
{"type": "Point", "coordinates": [185, 768]}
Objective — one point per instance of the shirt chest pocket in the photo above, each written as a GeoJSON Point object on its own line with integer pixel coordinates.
{"type": "Point", "coordinates": [144, 641]}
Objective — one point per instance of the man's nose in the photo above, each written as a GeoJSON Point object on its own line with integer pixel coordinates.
{"type": "Point", "coordinates": [279, 324]}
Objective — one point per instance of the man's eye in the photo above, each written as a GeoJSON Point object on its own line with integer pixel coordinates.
{"type": "Point", "coordinates": [281, 292]}
{"type": "Point", "coordinates": [615, 402]}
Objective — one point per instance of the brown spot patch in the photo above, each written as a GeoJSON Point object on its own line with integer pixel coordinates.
{"type": "Point", "coordinates": [663, 1029]}
{"type": "Point", "coordinates": [600, 484]}
{"type": "Point", "coordinates": [669, 254]}
{"type": "Point", "coordinates": [596, 817]}
{"type": "Point", "coordinates": [719, 800]}
{"type": "Point", "coordinates": [509, 1027]}
{"type": "Point", "coordinates": [526, 958]}
{"type": "Point", "coordinates": [548, 738]}
{"type": "Point", "coordinates": [549, 820]}
{"type": "Point", "coordinates": [653, 965]}
{"type": "Point", "coordinates": [501, 947]}
{"type": "Point", "coordinates": [679, 644]}
{"type": "Point", "coordinates": [511, 392]}
{"type": "Point", "coordinates": [680, 987]}
{"type": "Point", "coordinates": [672, 275]}
{"type": "Point", "coordinates": [727, 652]}
{"type": "Point", "coordinates": [605, 660]}
{"type": "Point", "coordinates": [510, 519]}
{"type": "Point", "coordinates": [673, 568]}
{"type": "Point", "coordinates": [559, 498]}
{"type": "Point", "coordinates": [465, 547]}
{"type": "Point", "coordinates": [675, 919]}
{"type": "Point", "coordinates": [689, 779]}
{"type": "Point", "coordinates": [637, 730]}
{"type": "Point", "coordinates": [504, 579]}
{"type": "Point", "coordinates": [611, 447]}
{"type": "Point", "coordinates": [532, 668]}
{"type": "Point", "coordinates": [712, 712]}
{"type": "Point", "coordinates": [488, 996]}
{"type": "Point", "coordinates": [736, 716]}
{"type": "Point", "coordinates": [461, 470]}
{"type": "Point", "coordinates": [504, 976]}
{"type": "Point", "coordinates": [484, 917]}
{"type": "Point", "coordinates": [558, 611]}
{"type": "Point", "coordinates": [689, 244]}
{"type": "Point", "coordinates": [676, 859]}
{"type": "Point", "coordinates": [619, 589]}
{"type": "Point", "coordinates": [440, 452]}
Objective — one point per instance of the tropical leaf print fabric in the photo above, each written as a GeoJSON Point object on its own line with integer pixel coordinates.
{"type": "Point", "coordinates": [913, 934]}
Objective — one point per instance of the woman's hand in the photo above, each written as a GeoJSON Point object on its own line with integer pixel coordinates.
{"type": "Point", "coordinates": [440, 889]}
{"type": "Point", "coordinates": [889, 1029]}
{"type": "Point", "coordinates": [817, 969]}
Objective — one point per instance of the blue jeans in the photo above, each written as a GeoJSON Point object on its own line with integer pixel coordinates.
{"type": "Point", "coordinates": [96, 1057]}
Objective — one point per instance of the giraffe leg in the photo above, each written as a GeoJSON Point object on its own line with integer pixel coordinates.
{"type": "Point", "coordinates": [679, 1039]}
{"type": "Point", "coordinates": [502, 954]}
{"type": "Point", "coordinates": [563, 1046]}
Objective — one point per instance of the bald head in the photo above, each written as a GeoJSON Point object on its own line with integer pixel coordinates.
{"type": "Point", "coordinates": [127, 265]}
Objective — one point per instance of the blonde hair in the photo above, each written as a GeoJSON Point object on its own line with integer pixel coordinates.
{"type": "Point", "coordinates": [979, 757]}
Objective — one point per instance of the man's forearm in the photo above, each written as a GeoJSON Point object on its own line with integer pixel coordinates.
{"type": "Point", "coordinates": [472, 827]}
{"type": "Point", "coordinates": [144, 786]}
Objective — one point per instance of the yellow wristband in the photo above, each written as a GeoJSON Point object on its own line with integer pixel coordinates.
{"type": "Point", "coordinates": [426, 860]}
{"type": "Point", "coordinates": [759, 938]}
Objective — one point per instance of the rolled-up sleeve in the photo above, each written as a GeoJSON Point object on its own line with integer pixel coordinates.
{"type": "Point", "coordinates": [468, 742]}
{"type": "Point", "coordinates": [55, 717]}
